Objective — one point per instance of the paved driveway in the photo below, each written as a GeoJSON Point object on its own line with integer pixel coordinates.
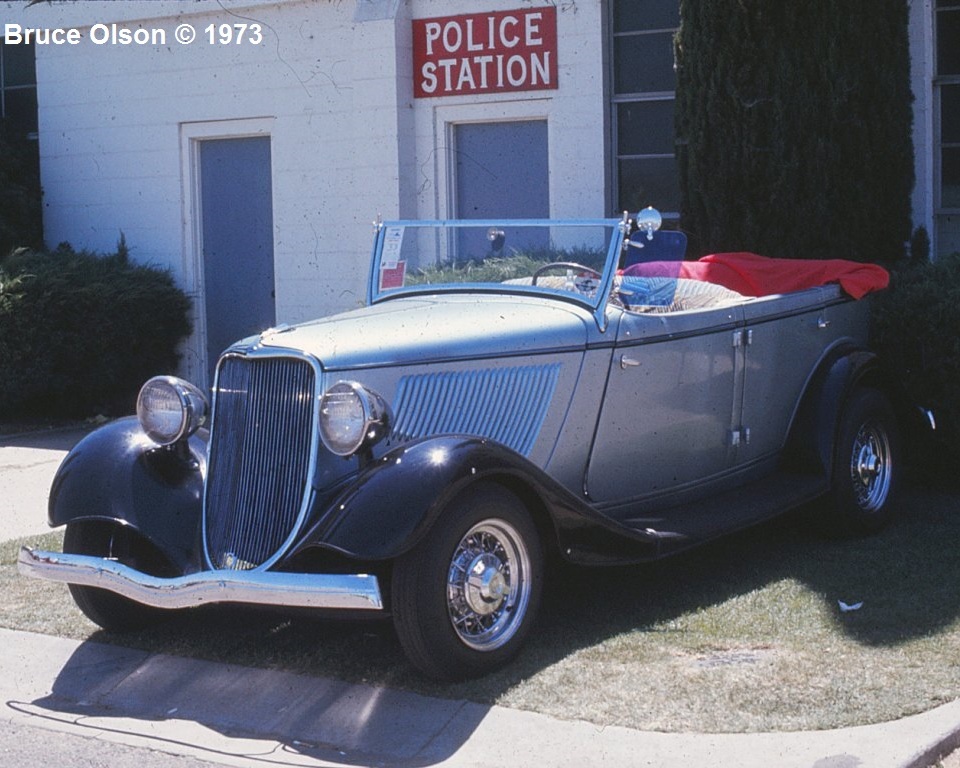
{"type": "Point", "coordinates": [28, 463]}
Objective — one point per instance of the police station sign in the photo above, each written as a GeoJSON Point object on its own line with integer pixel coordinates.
{"type": "Point", "coordinates": [485, 53]}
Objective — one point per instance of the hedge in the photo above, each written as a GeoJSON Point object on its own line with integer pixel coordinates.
{"type": "Point", "coordinates": [915, 329]}
{"type": "Point", "coordinates": [80, 332]}
{"type": "Point", "coordinates": [794, 127]}
{"type": "Point", "coordinates": [20, 218]}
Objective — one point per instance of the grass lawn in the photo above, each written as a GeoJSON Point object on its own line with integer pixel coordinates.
{"type": "Point", "coordinates": [743, 635]}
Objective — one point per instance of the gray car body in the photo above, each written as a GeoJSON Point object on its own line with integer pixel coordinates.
{"type": "Point", "coordinates": [638, 417]}
{"type": "Point", "coordinates": [613, 432]}
{"type": "Point", "coordinates": [629, 435]}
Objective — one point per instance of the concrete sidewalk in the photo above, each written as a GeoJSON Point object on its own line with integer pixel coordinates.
{"type": "Point", "coordinates": [27, 465]}
{"type": "Point", "coordinates": [239, 716]}
{"type": "Point", "coordinates": [221, 713]}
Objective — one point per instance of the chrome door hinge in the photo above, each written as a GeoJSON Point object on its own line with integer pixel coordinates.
{"type": "Point", "coordinates": [739, 436]}
{"type": "Point", "coordinates": [743, 337]}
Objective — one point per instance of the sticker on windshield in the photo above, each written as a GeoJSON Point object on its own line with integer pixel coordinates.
{"type": "Point", "coordinates": [392, 241]}
{"type": "Point", "coordinates": [392, 277]}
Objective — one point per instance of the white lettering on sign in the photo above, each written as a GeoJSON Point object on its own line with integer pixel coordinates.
{"type": "Point", "coordinates": [486, 73]}
{"type": "Point", "coordinates": [479, 53]}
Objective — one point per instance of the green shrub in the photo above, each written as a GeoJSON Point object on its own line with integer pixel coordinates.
{"type": "Point", "coordinates": [915, 328]}
{"type": "Point", "coordinates": [79, 332]}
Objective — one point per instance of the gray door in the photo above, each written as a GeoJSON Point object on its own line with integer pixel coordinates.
{"type": "Point", "coordinates": [782, 354]}
{"type": "Point", "coordinates": [502, 172]}
{"type": "Point", "coordinates": [237, 240]}
{"type": "Point", "coordinates": [669, 406]}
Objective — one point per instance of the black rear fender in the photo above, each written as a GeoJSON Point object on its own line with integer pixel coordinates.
{"type": "Point", "coordinates": [811, 444]}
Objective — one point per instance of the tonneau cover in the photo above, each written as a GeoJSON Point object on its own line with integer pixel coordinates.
{"type": "Point", "coordinates": [753, 275]}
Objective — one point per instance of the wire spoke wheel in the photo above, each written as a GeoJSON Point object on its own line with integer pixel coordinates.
{"type": "Point", "coordinates": [464, 598]}
{"type": "Point", "coordinates": [487, 590]}
{"type": "Point", "coordinates": [866, 468]}
{"type": "Point", "coordinates": [870, 466]}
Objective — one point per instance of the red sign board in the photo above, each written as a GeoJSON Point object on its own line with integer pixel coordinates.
{"type": "Point", "coordinates": [485, 53]}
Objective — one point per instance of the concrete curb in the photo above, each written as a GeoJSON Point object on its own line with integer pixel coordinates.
{"type": "Point", "coordinates": [239, 716]}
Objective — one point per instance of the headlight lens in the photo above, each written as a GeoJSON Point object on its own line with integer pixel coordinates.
{"type": "Point", "coordinates": [351, 417]}
{"type": "Point", "coordinates": [170, 409]}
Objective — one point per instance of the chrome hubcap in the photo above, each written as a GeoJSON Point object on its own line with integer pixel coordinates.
{"type": "Point", "coordinates": [487, 590]}
{"type": "Point", "coordinates": [870, 467]}
{"type": "Point", "coordinates": [486, 586]}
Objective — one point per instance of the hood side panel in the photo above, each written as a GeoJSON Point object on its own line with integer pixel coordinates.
{"type": "Point", "coordinates": [508, 405]}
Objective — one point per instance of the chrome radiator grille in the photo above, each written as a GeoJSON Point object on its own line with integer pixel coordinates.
{"type": "Point", "coordinates": [260, 458]}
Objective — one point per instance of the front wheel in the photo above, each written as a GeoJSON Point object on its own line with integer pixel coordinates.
{"type": "Point", "coordinates": [107, 609]}
{"type": "Point", "coordinates": [465, 597]}
{"type": "Point", "coordinates": [867, 465]}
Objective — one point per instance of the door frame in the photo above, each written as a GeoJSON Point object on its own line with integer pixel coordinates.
{"type": "Point", "coordinates": [194, 350]}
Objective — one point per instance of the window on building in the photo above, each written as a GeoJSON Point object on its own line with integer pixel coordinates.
{"type": "Point", "coordinates": [947, 89]}
{"type": "Point", "coordinates": [18, 89]}
{"type": "Point", "coordinates": [644, 87]}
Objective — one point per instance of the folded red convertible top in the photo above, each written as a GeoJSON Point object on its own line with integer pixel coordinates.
{"type": "Point", "coordinates": [753, 275]}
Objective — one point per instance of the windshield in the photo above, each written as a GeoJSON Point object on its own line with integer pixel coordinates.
{"type": "Point", "coordinates": [570, 259]}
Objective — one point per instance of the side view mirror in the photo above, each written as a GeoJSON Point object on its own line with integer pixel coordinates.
{"type": "Point", "coordinates": [649, 220]}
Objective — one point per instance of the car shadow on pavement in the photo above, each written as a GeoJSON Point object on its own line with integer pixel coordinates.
{"type": "Point", "coordinates": [321, 718]}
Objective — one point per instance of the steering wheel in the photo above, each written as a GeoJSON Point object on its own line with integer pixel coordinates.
{"type": "Point", "coordinates": [563, 265]}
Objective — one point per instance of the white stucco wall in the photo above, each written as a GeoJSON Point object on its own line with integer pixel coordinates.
{"type": "Point", "coordinates": [332, 83]}
{"type": "Point", "coordinates": [112, 121]}
{"type": "Point", "coordinates": [574, 112]}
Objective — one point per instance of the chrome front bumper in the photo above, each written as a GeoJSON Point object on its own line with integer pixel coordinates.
{"type": "Point", "coordinates": [300, 590]}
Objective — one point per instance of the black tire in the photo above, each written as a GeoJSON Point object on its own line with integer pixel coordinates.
{"type": "Point", "coordinates": [452, 626]}
{"type": "Point", "coordinates": [106, 609]}
{"type": "Point", "coordinates": [866, 468]}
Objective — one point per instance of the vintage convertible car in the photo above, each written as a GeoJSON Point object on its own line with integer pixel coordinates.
{"type": "Point", "coordinates": [512, 390]}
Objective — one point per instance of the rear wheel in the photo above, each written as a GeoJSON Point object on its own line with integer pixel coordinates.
{"type": "Point", "coordinates": [867, 465]}
{"type": "Point", "coordinates": [465, 597]}
{"type": "Point", "coordinates": [109, 610]}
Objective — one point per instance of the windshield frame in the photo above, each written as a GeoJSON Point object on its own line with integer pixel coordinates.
{"type": "Point", "coordinates": [597, 304]}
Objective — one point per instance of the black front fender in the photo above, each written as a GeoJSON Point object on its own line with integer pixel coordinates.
{"type": "Point", "coordinates": [393, 501]}
{"type": "Point", "coordinates": [118, 474]}
{"type": "Point", "coordinates": [391, 504]}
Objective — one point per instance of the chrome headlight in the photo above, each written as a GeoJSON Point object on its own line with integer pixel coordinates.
{"type": "Point", "coordinates": [170, 409]}
{"type": "Point", "coordinates": [352, 417]}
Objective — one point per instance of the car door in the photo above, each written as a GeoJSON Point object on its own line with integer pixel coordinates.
{"type": "Point", "coordinates": [669, 406]}
{"type": "Point", "coordinates": [785, 337]}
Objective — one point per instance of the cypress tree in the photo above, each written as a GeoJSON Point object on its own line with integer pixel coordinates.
{"type": "Point", "coordinates": [794, 127]}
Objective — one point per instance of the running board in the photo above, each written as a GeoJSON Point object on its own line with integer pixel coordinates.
{"type": "Point", "coordinates": [692, 523]}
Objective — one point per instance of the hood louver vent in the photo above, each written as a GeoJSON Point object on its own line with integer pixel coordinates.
{"type": "Point", "coordinates": [506, 404]}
